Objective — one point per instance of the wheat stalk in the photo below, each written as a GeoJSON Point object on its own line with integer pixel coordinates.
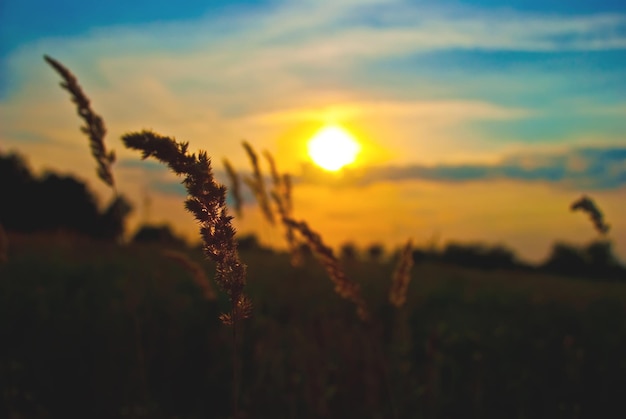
{"type": "Point", "coordinates": [94, 125]}
{"type": "Point", "coordinates": [195, 270]}
{"type": "Point", "coordinates": [587, 205]}
{"type": "Point", "coordinates": [401, 276]}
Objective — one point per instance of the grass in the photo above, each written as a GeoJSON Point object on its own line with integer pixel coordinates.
{"type": "Point", "coordinates": [475, 344]}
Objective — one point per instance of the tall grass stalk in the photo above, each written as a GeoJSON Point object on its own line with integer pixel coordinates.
{"type": "Point", "coordinates": [344, 287]}
{"type": "Point", "coordinates": [235, 187]}
{"type": "Point", "coordinates": [401, 276]}
{"type": "Point", "coordinates": [257, 183]}
{"type": "Point", "coordinates": [94, 126]}
{"type": "Point", "coordinates": [281, 195]}
{"type": "Point", "coordinates": [206, 200]}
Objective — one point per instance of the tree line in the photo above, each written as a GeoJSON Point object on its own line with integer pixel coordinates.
{"type": "Point", "coordinates": [52, 202]}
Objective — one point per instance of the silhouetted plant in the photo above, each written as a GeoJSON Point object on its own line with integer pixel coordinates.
{"type": "Point", "coordinates": [344, 287]}
{"type": "Point", "coordinates": [587, 205]}
{"type": "Point", "coordinates": [94, 125]}
{"type": "Point", "coordinates": [235, 187]}
{"type": "Point", "coordinates": [375, 252]}
{"type": "Point", "coordinates": [206, 200]}
{"type": "Point", "coordinates": [401, 276]}
{"type": "Point", "coordinates": [257, 183]}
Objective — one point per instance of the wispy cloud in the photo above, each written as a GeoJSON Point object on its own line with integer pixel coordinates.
{"type": "Point", "coordinates": [580, 168]}
{"type": "Point", "coordinates": [288, 36]}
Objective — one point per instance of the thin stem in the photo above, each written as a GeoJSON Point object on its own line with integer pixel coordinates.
{"type": "Point", "coordinates": [235, 369]}
{"type": "Point", "coordinates": [382, 364]}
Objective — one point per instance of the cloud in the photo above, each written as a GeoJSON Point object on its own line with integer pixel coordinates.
{"type": "Point", "coordinates": [288, 39]}
{"type": "Point", "coordinates": [581, 168]}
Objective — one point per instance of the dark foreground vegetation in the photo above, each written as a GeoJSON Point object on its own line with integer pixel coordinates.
{"type": "Point", "coordinates": [97, 330]}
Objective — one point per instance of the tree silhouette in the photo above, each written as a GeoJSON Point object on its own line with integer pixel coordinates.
{"type": "Point", "coordinates": [161, 234]}
{"type": "Point", "coordinates": [479, 256]}
{"type": "Point", "coordinates": [348, 251]}
{"type": "Point", "coordinates": [375, 252]}
{"type": "Point", "coordinates": [54, 202]}
{"type": "Point", "coordinates": [596, 261]}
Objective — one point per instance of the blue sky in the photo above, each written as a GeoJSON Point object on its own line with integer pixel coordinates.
{"type": "Point", "coordinates": [449, 92]}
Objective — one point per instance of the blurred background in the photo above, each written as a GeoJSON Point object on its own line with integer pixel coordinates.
{"type": "Point", "coordinates": [489, 133]}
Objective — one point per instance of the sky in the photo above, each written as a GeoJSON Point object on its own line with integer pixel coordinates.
{"type": "Point", "coordinates": [478, 121]}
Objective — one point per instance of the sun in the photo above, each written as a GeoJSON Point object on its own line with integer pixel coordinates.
{"type": "Point", "coordinates": [332, 148]}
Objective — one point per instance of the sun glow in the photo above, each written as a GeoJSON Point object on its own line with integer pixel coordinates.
{"type": "Point", "coordinates": [332, 148]}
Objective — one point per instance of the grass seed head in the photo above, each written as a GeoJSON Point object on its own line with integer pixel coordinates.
{"type": "Point", "coordinates": [94, 125]}
{"type": "Point", "coordinates": [587, 205]}
{"type": "Point", "coordinates": [344, 287]}
{"type": "Point", "coordinates": [206, 200]}
{"type": "Point", "coordinates": [257, 184]}
{"type": "Point", "coordinates": [235, 187]}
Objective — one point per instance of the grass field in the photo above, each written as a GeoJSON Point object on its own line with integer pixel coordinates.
{"type": "Point", "coordinates": [96, 330]}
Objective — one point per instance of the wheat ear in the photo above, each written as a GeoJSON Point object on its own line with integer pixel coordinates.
{"type": "Point", "coordinates": [402, 276]}
{"type": "Point", "coordinates": [587, 205]}
{"type": "Point", "coordinates": [344, 287]}
{"type": "Point", "coordinates": [94, 125]}
{"type": "Point", "coordinates": [206, 200]}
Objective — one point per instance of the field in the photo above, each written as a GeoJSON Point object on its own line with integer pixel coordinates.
{"type": "Point", "coordinates": [98, 330]}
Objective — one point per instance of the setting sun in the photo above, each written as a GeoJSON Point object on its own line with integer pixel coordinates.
{"type": "Point", "coordinates": [332, 148]}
